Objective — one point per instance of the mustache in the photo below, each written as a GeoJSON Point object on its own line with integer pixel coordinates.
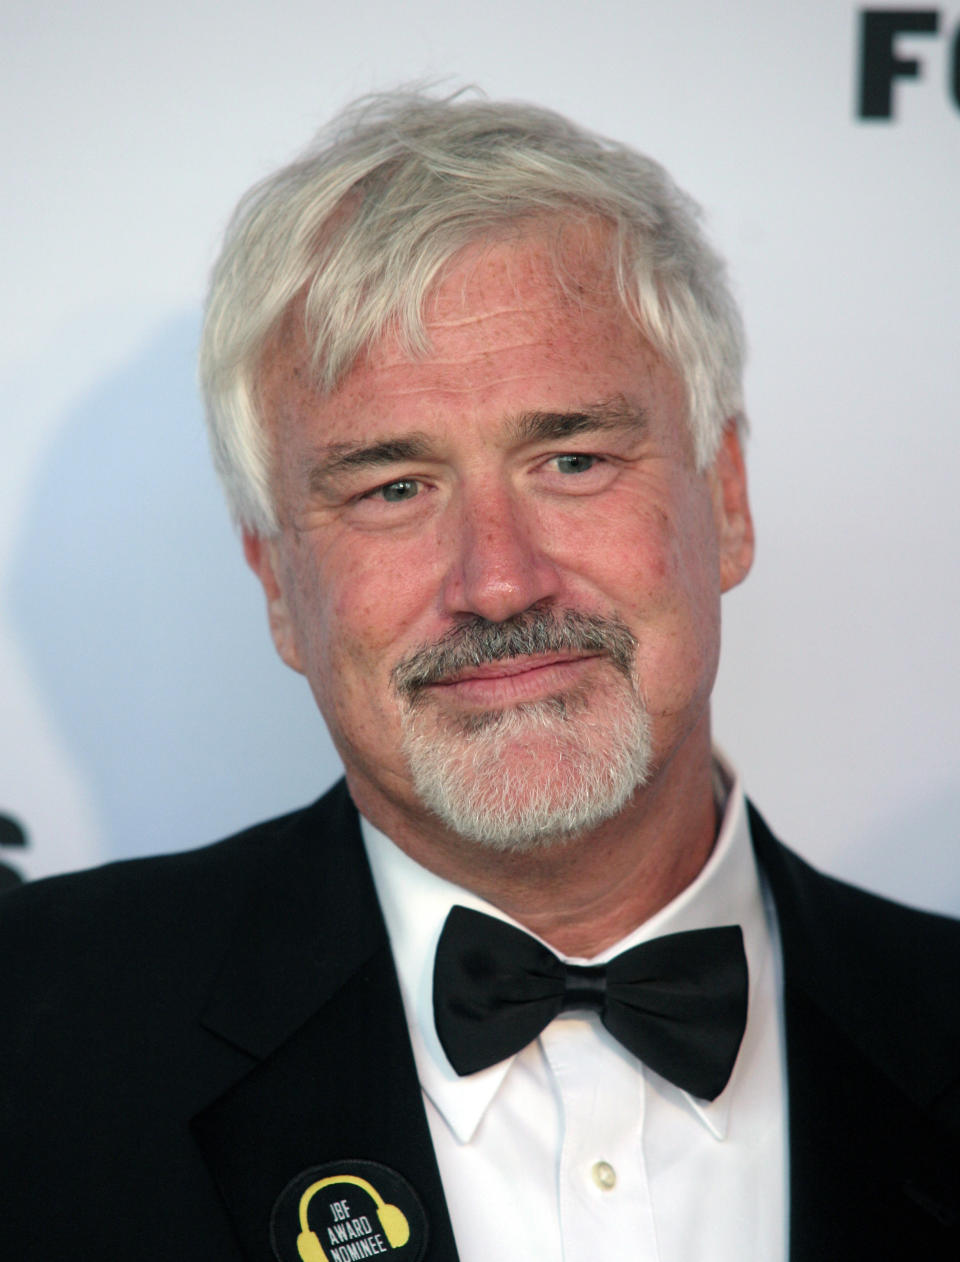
{"type": "Point", "coordinates": [531, 633]}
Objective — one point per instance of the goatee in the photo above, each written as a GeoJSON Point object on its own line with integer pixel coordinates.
{"type": "Point", "coordinates": [538, 773]}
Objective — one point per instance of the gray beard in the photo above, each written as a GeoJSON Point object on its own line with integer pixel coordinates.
{"type": "Point", "coordinates": [537, 774]}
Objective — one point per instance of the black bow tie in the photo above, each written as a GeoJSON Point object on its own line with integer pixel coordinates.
{"type": "Point", "coordinates": [678, 1003]}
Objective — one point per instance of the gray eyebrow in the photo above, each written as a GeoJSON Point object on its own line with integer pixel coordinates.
{"type": "Point", "coordinates": [616, 414]}
{"type": "Point", "coordinates": [338, 458]}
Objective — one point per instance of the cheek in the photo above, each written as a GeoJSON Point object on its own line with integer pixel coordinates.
{"type": "Point", "coordinates": [365, 608]}
{"type": "Point", "coordinates": [654, 557]}
{"type": "Point", "coordinates": [687, 560]}
{"type": "Point", "coordinates": [669, 587]}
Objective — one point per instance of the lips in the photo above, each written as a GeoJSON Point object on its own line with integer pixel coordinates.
{"type": "Point", "coordinates": [513, 666]}
{"type": "Point", "coordinates": [514, 680]}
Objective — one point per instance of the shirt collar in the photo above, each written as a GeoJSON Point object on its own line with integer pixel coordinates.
{"type": "Point", "coordinates": [416, 903]}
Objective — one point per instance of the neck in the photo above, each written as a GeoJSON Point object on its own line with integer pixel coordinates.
{"type": "Point", "coordinates": [584, 894]}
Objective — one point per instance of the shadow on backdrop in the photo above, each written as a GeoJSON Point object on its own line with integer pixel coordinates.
{"type": "Point", "coordinates": [145, 632]}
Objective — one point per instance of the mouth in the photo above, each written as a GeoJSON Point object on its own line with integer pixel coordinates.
{"type": "Point", "coordinates": [513, 680]}
{"type": "Point", "coordinates": [542, 653]}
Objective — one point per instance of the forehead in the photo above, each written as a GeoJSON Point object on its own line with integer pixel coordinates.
{"type": "Point", "coordinates": [522, 321]}
{"type": "Point", "coordinates": [565, 272]}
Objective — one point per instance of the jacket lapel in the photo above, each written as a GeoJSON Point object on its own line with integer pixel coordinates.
{"type": "Point", "coordinates": [873, 1172]}
{"type": "Point", "coordinates": [310, 992]}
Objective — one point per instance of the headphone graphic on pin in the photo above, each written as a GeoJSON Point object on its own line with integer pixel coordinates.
{"type": "Point", "coordinates": [392, 1219]}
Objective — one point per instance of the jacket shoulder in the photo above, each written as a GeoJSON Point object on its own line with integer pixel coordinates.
{"type": "Point", "coordinates": [885, 931]}
{"type": "Point", "coordinates": [887, 974]}
{"type": "Point", "coordinates": [167, 915]}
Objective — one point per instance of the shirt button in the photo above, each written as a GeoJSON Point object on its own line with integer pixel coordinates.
{"type": "Point", "coordinates": [604, 1175]}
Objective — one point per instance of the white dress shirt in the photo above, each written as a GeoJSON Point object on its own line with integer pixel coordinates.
{"type": "Point", "coordinates": [572, 1149]}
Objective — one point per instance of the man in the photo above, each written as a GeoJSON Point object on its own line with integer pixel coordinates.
{"type": "Point", "coordinates": [473, 377]}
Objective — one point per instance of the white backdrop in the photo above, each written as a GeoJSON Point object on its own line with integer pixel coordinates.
{"type": "Point", "coordinates": [142, 708]}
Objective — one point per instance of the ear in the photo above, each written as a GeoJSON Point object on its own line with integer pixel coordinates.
{"type": "Point", "coordinates": [731, 509]}
{"type": "Point", "coordinates": [264, 559]}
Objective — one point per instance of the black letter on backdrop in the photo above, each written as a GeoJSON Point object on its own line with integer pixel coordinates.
{"type": "Point", "coordinates": [879, 65]}
{"type": "Point", "coordinates": [11, 834]}
{"type": "Point", "coordinates": [956, 68]}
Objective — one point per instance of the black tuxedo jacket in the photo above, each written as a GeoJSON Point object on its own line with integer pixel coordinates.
{"type": "Point", "coordinates": [183, 1035]}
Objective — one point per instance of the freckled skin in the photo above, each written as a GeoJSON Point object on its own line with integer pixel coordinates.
{"type": "Point", "coordinates": [487, 522]}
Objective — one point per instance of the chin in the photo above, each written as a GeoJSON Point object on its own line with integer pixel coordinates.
{"type": "Point", "coordinates": [535, 775]}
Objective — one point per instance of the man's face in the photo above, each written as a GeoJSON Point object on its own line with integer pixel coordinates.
{"type": "Point", "coordinates": [497, 564]}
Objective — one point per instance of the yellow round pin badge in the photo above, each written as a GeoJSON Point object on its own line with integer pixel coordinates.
{"type": "Point", "coordinates": [345, 1211]}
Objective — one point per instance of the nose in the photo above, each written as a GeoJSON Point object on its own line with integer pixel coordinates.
{"type": "Point", "coordinates": [499, 566]}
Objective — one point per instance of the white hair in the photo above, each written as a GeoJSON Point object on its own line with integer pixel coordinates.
{"type": "Point", "coordinates": [359, 227]}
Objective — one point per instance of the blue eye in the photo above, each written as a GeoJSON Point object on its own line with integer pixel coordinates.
{"type": "Point", "coordinates": [575, 462]}
{"type": "Point", "coordinates": [396, 492]}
